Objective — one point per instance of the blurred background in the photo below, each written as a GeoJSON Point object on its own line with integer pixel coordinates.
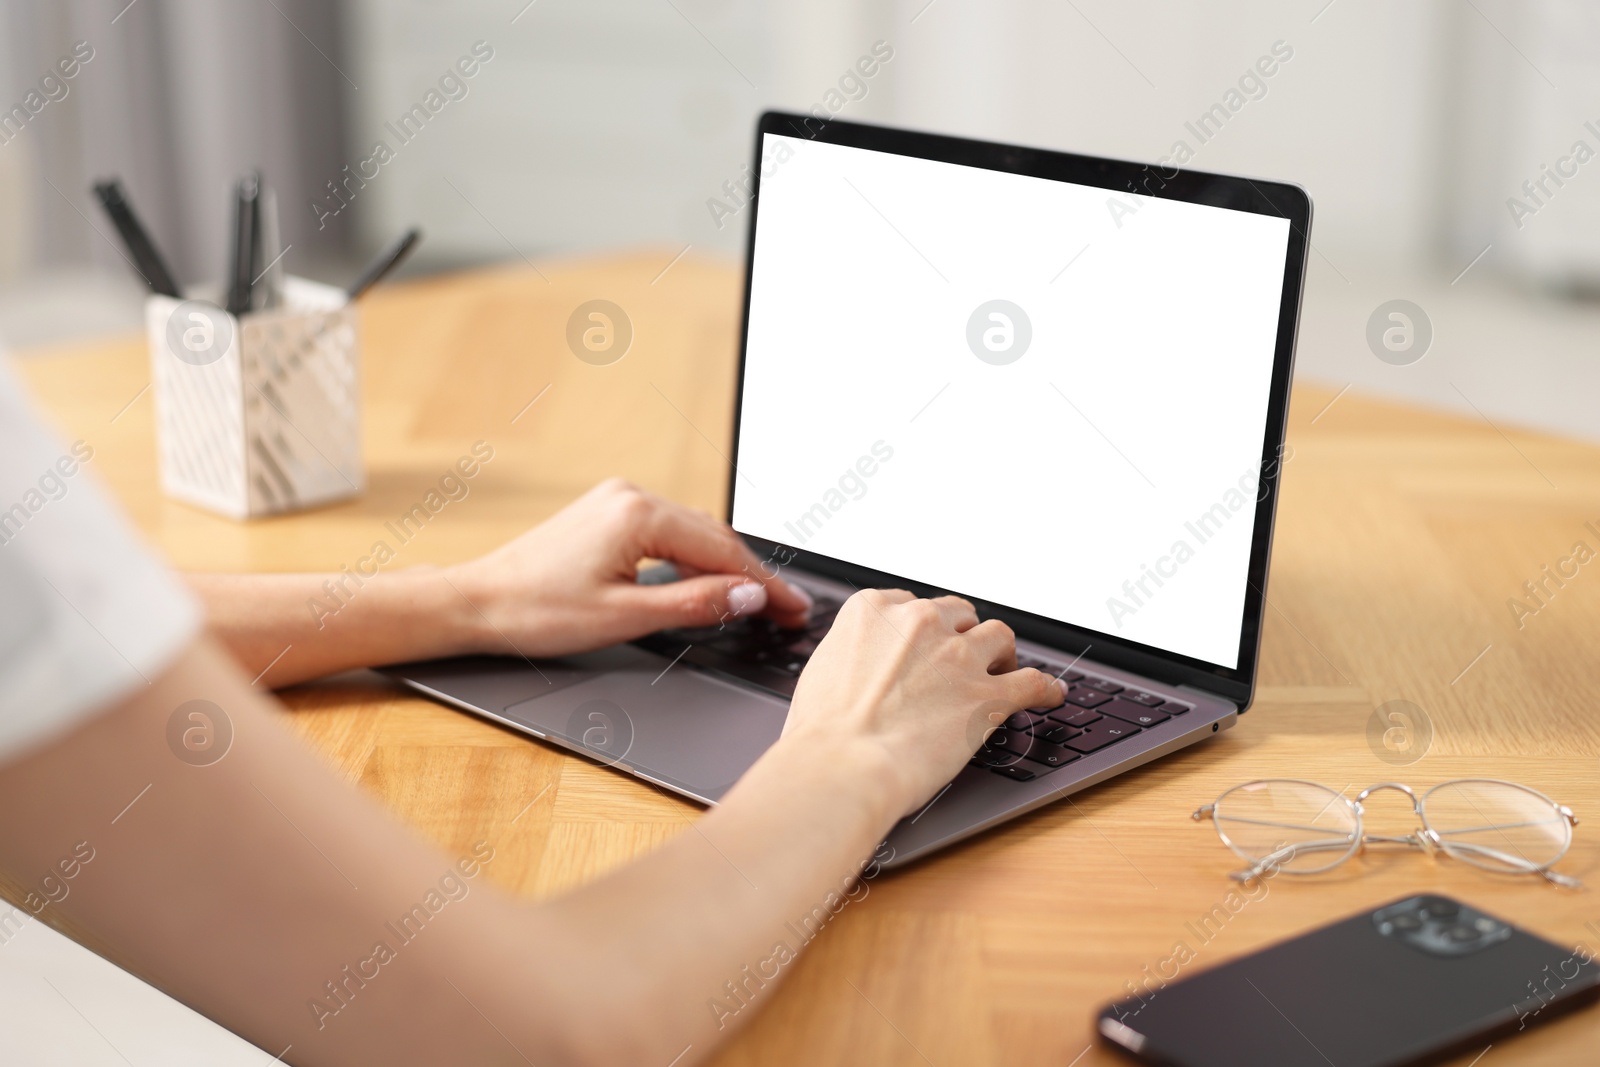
{"type": "Point", "coordinates": [1449, 146]}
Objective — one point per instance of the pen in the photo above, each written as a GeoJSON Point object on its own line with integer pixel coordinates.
{"type": "Point", "coordinates": [257, 247]}
{"type": "Point", "coordinates": [246, 230]}
{"type": "Point", "coordinates": [146, 260]}
{"type": "Point", "coordinates": [386, 261]}
{"type": "Point", "coordinates": [269, 279]}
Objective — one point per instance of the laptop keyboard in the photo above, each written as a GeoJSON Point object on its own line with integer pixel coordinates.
{"type": "Point", "coordinates": [752, 650]}
{"type": "Point", "coordinates": [1097, 712]}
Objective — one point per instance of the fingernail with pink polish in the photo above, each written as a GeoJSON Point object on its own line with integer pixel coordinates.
{"type": "Point", "coordinates": [747, 598]}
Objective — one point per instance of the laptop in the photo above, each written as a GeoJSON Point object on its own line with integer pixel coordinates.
{"type": "Point", "coordinates": [1053, 384]}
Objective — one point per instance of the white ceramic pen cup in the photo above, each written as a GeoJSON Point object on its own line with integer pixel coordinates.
{"type": "Point", "coordinates": [258, 414]}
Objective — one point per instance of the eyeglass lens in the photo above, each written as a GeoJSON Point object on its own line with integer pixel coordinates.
{"type": "Point", "coordinates": [1496, 825]}
{"type": "Point", "coordinates": [1298, 826]}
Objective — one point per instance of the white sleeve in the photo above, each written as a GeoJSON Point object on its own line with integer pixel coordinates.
{"type": "Point", "coordinates": [88, 615]}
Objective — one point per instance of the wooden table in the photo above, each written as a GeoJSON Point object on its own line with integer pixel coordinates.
{"type": "Point", "coordinates": [1401, 537]}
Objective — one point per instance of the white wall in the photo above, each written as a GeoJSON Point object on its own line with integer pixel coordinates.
{"type": "Point", "coordinates": [1352, 116]}
{"type": "Point", "coordinates": [603, 123]}
{"type": "Point", "coordinates": [606, 122]}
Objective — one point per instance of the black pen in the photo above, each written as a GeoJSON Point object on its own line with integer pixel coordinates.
{"type": "Point", "coordinates": [257, 242]}
{"type": "Point", "coordinates": [246, 230]}
{"type": "Point", "coordinates": [146, 260]}
{"type": "Point", "coordinates": [386, 261]}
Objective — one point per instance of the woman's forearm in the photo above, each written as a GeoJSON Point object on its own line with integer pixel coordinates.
{"type": "Point", "coordinates": [256, 887]}
{"type": "Point", "coordinates": [566, 585]}
{"type": "Point", "coordinates": [683, 946]}
{"type": "Point", "coordinates": [267, 895]}
{"type": "Point", "coordinates": [287, 628]}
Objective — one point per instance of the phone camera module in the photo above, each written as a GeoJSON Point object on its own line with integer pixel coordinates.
{"type": "Point", "coordinates": [1439, 926]}
{"type": "Point", "coordinates": [1440, 908]}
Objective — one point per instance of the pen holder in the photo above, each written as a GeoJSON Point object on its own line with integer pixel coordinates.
{"type": "Point", "coordinates": [258, 414]}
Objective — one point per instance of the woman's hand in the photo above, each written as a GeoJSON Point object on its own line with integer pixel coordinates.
{"type": "Point", "coordinates": [569, 584]}
{"type": "Point", "coordinates": [912, 687]}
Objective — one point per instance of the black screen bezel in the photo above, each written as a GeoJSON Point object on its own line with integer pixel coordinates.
{"type": "Point", "coordinates": [1282, 199]}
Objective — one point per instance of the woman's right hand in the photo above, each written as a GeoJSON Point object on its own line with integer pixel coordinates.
{"type": "Point", "coordinates": [913, 686]}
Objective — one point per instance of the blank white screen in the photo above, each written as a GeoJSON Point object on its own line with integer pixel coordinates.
{"type": "Point", "coordinates": [1064, 483]}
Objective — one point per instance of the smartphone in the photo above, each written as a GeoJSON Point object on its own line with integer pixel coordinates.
{"type": "Point", "coordinates": [1414, 982]}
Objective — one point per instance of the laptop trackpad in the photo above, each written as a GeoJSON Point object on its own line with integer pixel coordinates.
{"type": "Point", "coordinates": [683, 728]}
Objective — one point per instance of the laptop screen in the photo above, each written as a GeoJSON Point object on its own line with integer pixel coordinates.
{"type": "Point", "coordinates": [1045, 395]}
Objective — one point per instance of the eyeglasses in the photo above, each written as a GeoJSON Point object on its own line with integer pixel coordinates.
{"type": "Point", "coordinates": [1301, 827]}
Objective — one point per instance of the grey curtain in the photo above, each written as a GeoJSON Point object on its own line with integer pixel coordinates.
{"type": "Point", "coordinates": [178, 97]}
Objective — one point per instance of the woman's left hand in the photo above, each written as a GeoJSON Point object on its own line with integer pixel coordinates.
{"type": "Point", "coordinates": [569, 584]}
